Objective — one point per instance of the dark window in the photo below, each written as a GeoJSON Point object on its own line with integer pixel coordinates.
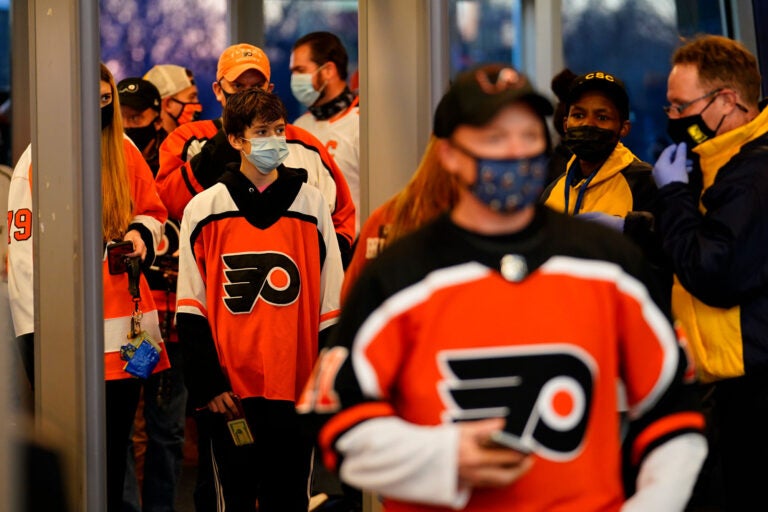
{"type": "Point", "coordinates": [634, 40]}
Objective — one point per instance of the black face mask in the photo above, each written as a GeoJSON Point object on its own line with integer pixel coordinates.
{"type": "Point", "coordinates": [692, 129]}
{"type": "Point", "coordinates": [142, 136]}
{"type": "Point", "coordinates": [590, 143]}
{"type": "Point", "coordinates": [107, 112]}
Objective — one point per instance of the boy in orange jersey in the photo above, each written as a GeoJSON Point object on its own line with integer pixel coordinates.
{"type": "Point", "coordinates": [448, 383]}
{"type": "Point", "coordinates": [259, 281]}
{"type": "Point", "coordinates": [195, 155]}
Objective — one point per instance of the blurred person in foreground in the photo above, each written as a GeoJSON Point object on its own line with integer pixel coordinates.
{"type": "Point", "coordinates": [447, 385]}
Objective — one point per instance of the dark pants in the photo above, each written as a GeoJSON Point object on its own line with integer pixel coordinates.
{"type": "Point", "coordinates": [122, 398]}
{"type": "Point", "coordinates": [274, 470]}
{"type": "Point", "coordinates": [735, 472]}
{"type": "Point", "coordinates": [165, 402]}
{"type": "Point", "coordinates": [205, 488]}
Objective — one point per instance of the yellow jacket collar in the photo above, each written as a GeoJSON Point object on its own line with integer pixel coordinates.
{"type": "Point", "coordinates": [617, 160]}
{"type": "Point", "coordinates": [718, 150]}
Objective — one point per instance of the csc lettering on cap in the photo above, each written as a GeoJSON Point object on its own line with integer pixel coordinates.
{"type": "Point", "coordinates": [600, 76]}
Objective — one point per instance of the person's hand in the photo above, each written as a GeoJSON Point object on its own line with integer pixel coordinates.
{"type": "Point", "coordinates": [672, 165]}
{"type": "Point", "coordinates": [483, 463]}
{"type": "Point", "coordinates": [139, 248]}
{"type": "Point", "coordinates": [611, 221]}
{"type": "Point", "coordinates": [224, 404]}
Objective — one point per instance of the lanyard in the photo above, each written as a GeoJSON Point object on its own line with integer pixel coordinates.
{"type": "Point", "coordinates": [580, 196]}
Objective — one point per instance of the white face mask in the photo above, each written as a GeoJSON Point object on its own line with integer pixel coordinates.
{"type": "Point", "coordinates": [267, 153]}
{"type": "Point", "coordinates": [302, 88]}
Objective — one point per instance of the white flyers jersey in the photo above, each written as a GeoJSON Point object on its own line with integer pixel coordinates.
{"type": "Point", "coordinates": [341, 136]}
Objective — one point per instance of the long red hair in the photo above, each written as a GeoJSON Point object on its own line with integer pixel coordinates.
{"type": "Point", "coordinates": [430, 192]}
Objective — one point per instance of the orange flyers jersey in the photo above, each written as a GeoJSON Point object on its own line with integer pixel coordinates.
{"type": "Point", "coordinates": [149, 214]}
{"type": "Point", "coordinates": [177, 182]}
{"type": "Point", "coordinates": [264, 270]}
{"type": "Point", "coordinates": [537, 327]}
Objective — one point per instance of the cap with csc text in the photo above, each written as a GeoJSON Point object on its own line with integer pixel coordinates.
{"type": "Point", "coordinates": [169, 79]}
{"type": "Point", "coordinates": [476, 96]}
{"type": "Point", "coordinates": [239, 58]}
{"type": "Point", "coordinates": [138, 93]}
{"type": "Point", "coordinates": [608, 84]}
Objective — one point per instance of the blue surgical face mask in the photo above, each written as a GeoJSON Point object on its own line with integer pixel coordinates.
{"type": "Point", "coordinates": [508, 185]}
{"type": "Point", "coordinates": [267, 153]}
{"type": "Point", "coordinates": [302, 88]}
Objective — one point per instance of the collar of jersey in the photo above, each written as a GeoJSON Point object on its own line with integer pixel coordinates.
{"type": "Point", "coordinates": [338, 104]}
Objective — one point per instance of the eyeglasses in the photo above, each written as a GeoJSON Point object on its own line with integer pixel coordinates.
{"type": "Point", "coordinates": [679, 109]}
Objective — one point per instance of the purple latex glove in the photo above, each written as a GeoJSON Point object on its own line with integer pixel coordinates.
{"type": "Point", "coordinates": [610, 221]}
{"type": "Point", "coordinates": [672, 166]}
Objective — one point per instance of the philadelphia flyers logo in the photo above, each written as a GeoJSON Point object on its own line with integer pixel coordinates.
{"type": "Point", "coordinates": [543, 391]}
{"type": "Point", "coordinates": [169, 243]}
{"type": "Point", "coordinates": [270, 276]}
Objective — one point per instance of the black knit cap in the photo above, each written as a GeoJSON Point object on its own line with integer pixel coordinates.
{"type": "Point", "coordinates": [139, 94]}
{"type": "Point", "coordinates": [608, 84]}
{"type": "Point", "coordinates": [476, 96]}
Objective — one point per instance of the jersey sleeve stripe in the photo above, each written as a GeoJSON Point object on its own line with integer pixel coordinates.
{"type": "Point", "coordinates": [665, 427]}
{"type": "Point", "coordinates": [191, 306]}
{"type": "Point", "coordinates": [330, 318]}
{"type": "Point", "coordinates": [345, 420]}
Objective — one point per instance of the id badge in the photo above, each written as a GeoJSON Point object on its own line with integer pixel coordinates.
{"type": "Point", "coordinates": [238, 427]}
{"type": "Point", "coordinates": [142, 353]}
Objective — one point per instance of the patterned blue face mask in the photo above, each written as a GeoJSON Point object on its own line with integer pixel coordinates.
{"type": "Point", "coordinates": [508, 185]}
{"type": "Point", "coordinates": [267, 153]}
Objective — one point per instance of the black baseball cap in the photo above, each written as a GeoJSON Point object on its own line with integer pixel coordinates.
{"type": "Point", "coordinates": [139, 94]}
{"type": "Point", "coordinates": [607, 83]}
{"type": "Point", "coordinates": [477, 95]}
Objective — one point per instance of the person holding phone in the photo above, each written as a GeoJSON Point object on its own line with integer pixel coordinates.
{"type": "Point", "coordinates": [132, 216]}
{"type": "Point", "coordinates": [476, 360]}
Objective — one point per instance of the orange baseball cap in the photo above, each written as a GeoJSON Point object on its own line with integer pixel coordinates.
{"type": "Point", "coordinates": [239, 58]}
